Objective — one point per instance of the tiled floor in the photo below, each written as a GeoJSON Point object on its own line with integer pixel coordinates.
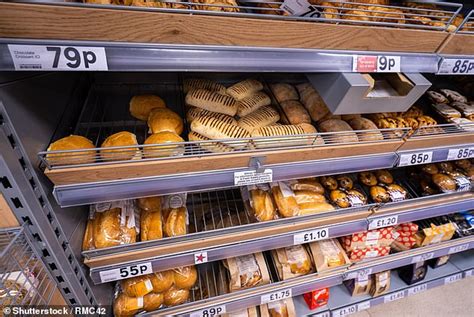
{"type": "Point", "coordinates": [453, 300]}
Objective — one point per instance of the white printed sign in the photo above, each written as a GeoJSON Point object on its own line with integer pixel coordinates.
{"type": "Point", "coordinates": [415, 158]}
{"type": "Point", "coordinates": [253, 177]}
{"type": "Point", "coordinates": [310, 236]}
{"type": "Point", "coordinates": [456, 66]}
{"type": "Point", "coordinates": [275, 296]}
{"type": "Point", "coordinates": [209, 312]}
{"type": "Point", "coordinates": [461, 153]}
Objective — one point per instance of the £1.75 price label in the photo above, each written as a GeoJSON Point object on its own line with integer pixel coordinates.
{"type": "Point", "coordinates": [461, 153]}
{"type": "Point", "coordinates": [456, 66]}
{"type": "Point", "coordinates": [382, 222]}
{"type": "Point", "coordinates": [415, 158]}
{"type": "Point", "coordinates": [310, 236]}
{"type": "Point", "coordinates": [41, 57]}
{"type": "Point", "coordinates": [275, 296]}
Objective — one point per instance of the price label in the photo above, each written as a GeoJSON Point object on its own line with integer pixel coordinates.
{"type": "Point", "coordinates": [363, 306]}
{"type": "Point", "coordinates": [209, 312]}
{"type": "Point", "coordinates": [348, 310]}
{"type": "Point", "coordinates": [252, 177]}
{"type": "Point", "coordinates": [456, 66]}
{"type": "Point", "coordinates": [415, 158]}
{"type": "Point", "coordinates": [423, 257]}
{"type": "Point", "coordinates": [453, 278]}
{"type": "Point", "coordinates": [376, 64]}
{"type": "Point", "coordinates": [459, 248]}
{"type": "Point", "coordinates": [417, 289]}
{"type": "Point", "coordinates": [275, 296]}
{"type": "Point", "coordinates": [324, 314]}
{"type": "Point", "coordinates": [300, 8]}
{"type": "Point", "coordinates": [41, 57]}
{"type": "Point", "coordinates": [394, 296]}
{"type": "Point", "coordinates": [388, 64]}
{"type": "Point", "coordinates": [360, 275]}
{"type": "Point", "coordinates": [468, 273]}
{"type": "Point", "coordinates": [125, 272]}
{"type": "Point", "coordinates": [310, 236]}
{"type": "Point", "coordinates": [461, 153]}
{"type": "Point", "coordinates": [382, 222]}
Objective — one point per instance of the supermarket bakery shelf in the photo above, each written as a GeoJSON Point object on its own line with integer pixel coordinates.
{"type": "Point", "coordinates": [246, 237]}
{"type": "Point", "coordinates": [461, 43]}
{"type": "Point", "coordinates": [301, 285]}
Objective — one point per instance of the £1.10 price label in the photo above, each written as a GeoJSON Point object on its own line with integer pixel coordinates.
{"type": "Point", "coordinates": [209, 312]}
{"type": "Point", "coordinates": [456, 66]}
{"type": "Point", "coordinates": [310, 236]}
{"type": "Point", "coordinates": [41, 57]}
{"type": "Point", "coordinates": [382, 222]}
{"type": "Point", "coordinates": [275, 296]}
{"type": "Point", "coordinates": [461, 153]}
{"type": "Point", "coordinates": [415, 158]}
{"type": "Point", "coordinates": [125, 272]}
{"type": "Point", "coordinates": [348, 310]}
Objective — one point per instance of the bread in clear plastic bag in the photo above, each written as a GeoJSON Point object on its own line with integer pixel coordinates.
{"type": "Point", "coordinates": [282, 308]}
{"type": "Point", "coordinates": [262, 203]}
{"type": "Point", "coordinates": [285, 200]}
{"type": "Point", "coordinates": [247, 271]}
{"type": "Point", "coordinates": [309, 184]}
{"type": "Point", "coordinates": [306, 196]}
{"type": "Point", "coordinates": [149, 203]}
{"type": "Point", "coordinates": [292, 261]}
{"type": "Point", "coordinates": [161, 281]}
{"type": "Point", "coordinates": [136, 286]}
{"type": "Point", "coordinates": [151, 219]}
{"type": "Point", "coordinates": [185, 277]}
{"type": "Point", "coordinates": [125, 306]}
{"type": "Point", "coordinates": [175, 224]}
{"type": "Point", "coordinates": [152, 301]}
{"type": "Point", "coordinates": [175, 296]}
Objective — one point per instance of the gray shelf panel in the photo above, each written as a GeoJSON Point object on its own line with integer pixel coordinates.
{"type": "Point", "coordinates": [464, 260]}
{"type": "Point", "coordinates": [89, 193]}
{"type": "Point", "coordinates": [123, 56]}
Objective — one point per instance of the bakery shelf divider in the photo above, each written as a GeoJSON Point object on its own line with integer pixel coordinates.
{"type": "Point", "coordinates": [461, 43]}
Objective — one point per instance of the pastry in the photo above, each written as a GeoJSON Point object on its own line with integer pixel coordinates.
{"type": "Point", "coordinates": [72, 142]}
{"type": "Point", "coordinates": [295, 112]}
{"type": "Point", "coordinates": [252, 103]}
{"type": "Point", "coordinates": [123, 138]}
{"type": "Point", "coordinates": [217, 5]}
{"type": "Point", "coordinates": [244, 89]}
{"type": "Point", "coordinates": [340, 198]}
{"type": "Point", "coordinates": [384, 176]}
{"type": "Point", "coordinates": [262, 117]}
{"type": "Point", "coordinates": [368, 178]}
{"type": "Point", "coordinates": [215, 147]}
{"type": "Point", "coordinates": [446, 167]}
{"type": "Point", "coordinates": [344, 182]}
{"type": "Point", "coordinates": [453, 96]}
{"type": "Point", "coordinates": [436, 97]}
{"type": "Point", "coordinates": [195, 112]}
{"type": "Point", "coordinates": [163, 151]}
{"type": "Point", "coordinates": [444, 182]}
{"type": "Point", "coordinates": [307, 184]}
{"type": "Point", "coordinates": [281, 131]}
{"type": "Point", "coordinates": [142, 105]}
{"type": "Point", "coordinates": [284, 92]}
{"type": "Point", "coordinates": [329, 182]}
{"type": "Point", "coordinates": [164, 119]}
{"type": "Point", "coordinates": [430, 169]}
{"type": "Point", "coordinates": [379, 194]}
{"type": "Point", "coordinates": [212, 101]}
{"type": "Point", "coordinates": [201, 83]}
{"type": "Point", "coordinates": [447, 111]}
{"type": "Point", "coordinates": [175, 223]}
{"type": "Point", "coordinates": [464, 164]}
{"type": "Point", "coordinates": [313, 102]}
{"type": "Point", "coordinates": [213, 128]}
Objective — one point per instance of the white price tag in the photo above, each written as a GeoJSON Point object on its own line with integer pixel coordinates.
{"type": "Point", "coordinates": [456, 66]}
{"type": "Point", "coordinates": [388, 64]}
{"type": "Point", "coordinates": [125, 272]}
{"type": "Point", "coordinates": [275, 296]}
{"type": "Point", "coordinates": [415, 158]}
{"type": "Point", "coordinates": [461, 153]}
{"type": "Point", "coordinates": [453, 278]}
{"type": "Point", "coordinates": [383, 222]}
{"type": "Point", "coordinates": [469, 273]}
{"type": "Point", "coordinates": [310, 236]}
{"type": "Point", "coordinates": [394, 296]}
{"type": "Point", "coordinates": [345, 311]}
{"type": "Point", "coordinates": [200, 257]}
{"type": "Point", "coordinates": [252, 177]}
{"type": "Point", "coordinates": [417, 289]}
{"type": "Point", "coordinates": [422, 258]}
{"type": "Point", "coordinates": [300, 8]}
{"type": "Point", "coordinates": [364, 274]}
{"type": "Point", "coordinates": [363, 306]}
{"type": "Point", "coordinates": [209, 312]}
{"type": "Point", "coordinates": [41, 57]}
{"type": "Point", "coordinates": [459, 248]}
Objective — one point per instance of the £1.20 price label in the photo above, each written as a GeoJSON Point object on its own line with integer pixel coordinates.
{"type": "Point", "coordinates": [275, 296]}
{"type": "Point", "coordinates": [125, 272]}
{"type": "Point", "coordinates": [382, 222]}
{"type": "Point", "coordinates": [209, 312]}
{"type": "Point", "coordinates": [415, 158]}
{"type": "Point", "coordinates": [461, 153]}
{"type": "Point", "coordinates": [459, 248]}
{"type": "Point", "coordinates": [310, 236]}
{"type": "Point", "coordinates": [456, 66]}
{"type": "Point", "coordinates": [42, 57]}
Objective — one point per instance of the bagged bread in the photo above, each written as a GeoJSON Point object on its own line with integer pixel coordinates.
{"type": "Point", "coordinates": [152, 301]}
{"type": "Point", "coordinates": [262, 117]}
{"type": "Point", "coordinates": [125, 306]}
{"type": "Point", "coordinates": [295, 112]}
{"type": "Point", "coordinates": [212, 101]}
{"type": "Point", "coordinates": [365, 124]}
{"type": "Point", "coordinates": [335, 125]}
{"type": "Point", "coordinates": [282, 308]}
{"type": "Point", "coordinates": [122, 138]}
{"type": "Point", "coordinates": [252, 103]}
{"type": "Point", "coordinates": [312, 101]}
{"type": "Point", "coordinates": [215, 147]}
{"type": "Point", "coordinates": [380, 283]}
{"type": "Point", "coordinates": [175, 215]}
{"type": "Point", "coordinates": [292, 261]}
{"type": "Point", "coordinates": [136, 286]}
{"type": "Point", "coordinates": [213, 128]}
{"type": "Point", "coordinates": [195, 112]}
{"type": "Point", "coordinates": [284, 92]}
{"type": "Point", "coordinates": [285, 199]}
{"type": "Point", "coordinates": [151, 222]}
{"type": "Point", "coordinates": [312, 208]}
{"type": "Point", "coordinates": [244, 89]}
{"type": "Point", "coordinates": [185, 277]}
{"type": "Point", "coordinates": [309, 184]}
{"type": "Point", "coordinates": [72, 142]}
{"type": "Point", "coordinates": [142, 105]}
{"type": "Point", "coordinates": [161, 281]}
{"type": "Point", "coordinates": [307, 196]}
{"type": "Point", "coordinates": [247, 271]}
{"type": "Point", "coordinates": [149, 203]}
{"type": "Point", "coordinates": [201, 83]}
{"type": "Point", "coordinates": [328, 254]}
{"type": "Point", "coordinates": [164, 119]}
{"type": "Point", "coordinates": [175, 296]}
{"type": "Point", "coordinates": [261, 202]}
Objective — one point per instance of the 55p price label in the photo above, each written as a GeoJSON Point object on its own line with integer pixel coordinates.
{"type": "Point", "coordinates": [310, 236]}
{"type": "Point", "coordinates": [275, 296]}
{"type": "Point", "coordinates": [383, 222]}
{"type": "Point", "coordinates": [456, 66]}
{"type": "Point", "coordinates": [125, 272]}
{"type": "Point", "coordinates": [415, 158]}
{"type": "Point", "coordinates": [42, 57]}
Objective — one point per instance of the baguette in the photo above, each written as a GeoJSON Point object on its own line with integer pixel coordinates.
{"type": "Point", "coordinates": [213, 128]}
{"type": "Point", "coordinates": [212, 101]}
{"type": "Point", "coordinates": [284, 130]}
{"type": "Point", "coordinates": [244, 89]}
{"type": "Point", "coordinates": [201, 83]}
{"type": "Point", "coordinates": [215, 147]}
{"type": "Point", "coordinates": [252, 103]}
{"type": "Point", "coordinates": [195, 112]}
{"type": "Point", "coordinates": [260, 118]}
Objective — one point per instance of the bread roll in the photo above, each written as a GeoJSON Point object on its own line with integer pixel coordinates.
{"type": "Point", "coordinates": [313, 102]}
{"type": "Point", "coordinates": [284, 92]}
{"type": "Point", "coordinates": [149, 203]}
{"type": "Point", "coordinates": [349, 117]}
{"type": "Point", "coordinates": [311, 208]}
{"type": "Point", "coordinates": [175, 296]}
{"type": "Point", "coordinates": [161, 281]}
{"type": "Point", "coordinates": [308, 184]}
{"type": "Point", "coordinates": [195, 112]}
{"type": "Point", "coordinates": [123, 138]}
{"type": "Point", "coordinates": [215, 147]}
{"type": "Point", "coordinates": [366, 124]}
{"type": "Point", "coordinates": [260, 118]}
{"type": "Point", "coordinates": [282, 131]}
{"type": "Point", "coordinates": [164, 119]}
{"type": "Point", "coordinates": [252, 103]}
{"type": "Point", "coordinates": [213, 128]}
{"type": "Point", "coordinates": [306, 196]}
{"type": "Point", "coordinates": [151, 225]}
{"type": "Point", "coordinates": [285, 200]}
{"type": "Point", "coordinates": [335, 125]}
{"type": "Point", "coordinates": [244, 89]}
{"type": "Point", "coordinates": [212, 101]}
{"type": "Point", "coordinates": [152, 301]}
{"type": "Point", "coordinates": [142, 105]}
{"type": "Point", "coordinates": [72, 142]}
{"type": "Point", "coordinates": [136, 286]}
{"type": "Point", "coordinates": [295, 112]}
{"type": "Point", "coordinates": [262, 205]}
{"type": "Point", "coordinates": [185, 277]}
{"type": "Point", "coordinates": [201, 83]}
{"type": "Point", "coordinates": [125, 306]}
{"type": "Point", "coordinates": [163, 151]}
{"type": "Point", "coordinates": [108, 231]}
{"type": "Point", "coordinates": [175, 224]}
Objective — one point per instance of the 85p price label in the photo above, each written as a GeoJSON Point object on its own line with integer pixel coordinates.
{"type": "Point", "coordinates": [456, 66]}
{"type": "Point", "coordinates": [461, 153]}
{"type": "Point", "coordinates": [39, 57]}
{"type": "Point", "coordinates": [275, 296]}
{"type": "Point", "coordinates": [383, 222]}
{"type": "Point", "coordinates": [310, 236]}
{"type": "Point", "coordinates": [415, 158]}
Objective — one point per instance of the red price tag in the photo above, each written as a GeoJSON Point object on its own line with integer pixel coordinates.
{"type": "Point", "coordinates": [364, 64]}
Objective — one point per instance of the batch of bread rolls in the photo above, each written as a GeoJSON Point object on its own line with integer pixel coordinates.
{"type": "Point", "coordinates": [452, 105]}
{"type": "Point", "coordinates": [209, 5]}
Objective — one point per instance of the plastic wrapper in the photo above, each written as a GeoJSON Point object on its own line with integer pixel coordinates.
{"type": "Point", "coordinates": [137, 286]}
{"type": "Point", "coordinates": [175, 215]}
{"type": "Point", "coordinates": [317, 298]}
{"type": "Point", "coordinates": [151, 219]}
{"type": "Point", "coordinates": [328, 254]}
{"type": "Point", "coordinates": [306, 196]}
{"type": "Point", "coordinates": [161, 281]}
{"type": "Point", "coordinates": [307, 184]}
{"type": "Point", "coordinates": [348, 198]}
{"type": "Point", "coordinates": [247, 271]}
{"type": "Point", "coordinates": [152, 301]}
{"type": "Point", "coordinates": [292, 261]}
{"type": "Point", "coordinates": [285, 200]}
{"type": "Point", "coordinates": [185, 277]}
{"type": "Point", "coordinates": [282, 308]}
{"type": "Point", "coordinates": [125, 306]}
{"type": "Point", "coordinates": [374, 238]}
{"type": "Point", "coordinates": [246, 312]}
{"type": "Point", "coordinates": [359, 286]}
{"type": "Point", "coordinates": [175, 296]}
{"type": "Point", "coordinates": [380, 283]}
{"type": "Point", "coordinates": [261, 202]}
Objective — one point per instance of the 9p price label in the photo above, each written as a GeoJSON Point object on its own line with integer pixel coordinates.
{"type": "Point", "coordinates": [275, 296]}
{"type": "Point", "coordinates": [382, 222]}
{"type": "Point", "coordinates": [388, 64]}
{"type": "Point", "coordinates": [209, 312]}
{"type": "Point", "coordinates": [310, 236]}
{"type": "Point", "coordinates": [51, 57]}
{"type": "Point", "coordinates": [415, 158]}
{"type": "Point", "coordinates": [456, 66]}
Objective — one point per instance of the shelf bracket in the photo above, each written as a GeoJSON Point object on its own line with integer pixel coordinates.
{"type": "Point", "coordinates": [257, 163]}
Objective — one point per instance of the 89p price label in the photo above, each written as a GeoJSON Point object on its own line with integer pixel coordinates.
{"type": "Point", "coordinates": [275, 296]}
{"type": "Point", "coordinates": [310, 236]}
{"type": "Point", "coordinates": [415, 158]}
{"type": "Point", "coordinates": [383, 222]}
{"type": "Point", "coordinates": [209, 312]}
{"type": "Point", "coordinates": [39, 57]}
{"type": "Point", "coordinates": [462, 153]}
{"type": "Point", "coordinates": [125, 272]}
{"type": "Point", "coordinates": [456, 66]}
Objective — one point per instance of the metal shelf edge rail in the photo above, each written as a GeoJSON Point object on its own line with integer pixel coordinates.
{"type": "Point", "coordinates": [298, 286]}
{"type": "Point", "coordinates": [161, 57]}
